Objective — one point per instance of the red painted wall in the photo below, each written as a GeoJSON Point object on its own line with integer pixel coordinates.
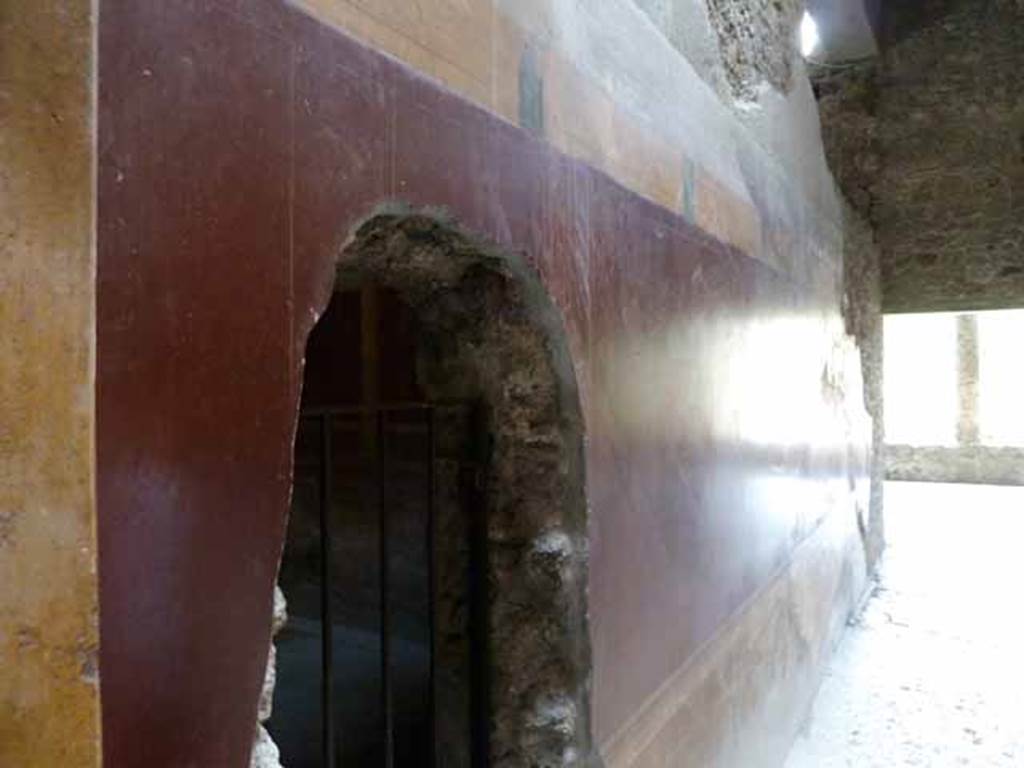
{"type": "Point", "coordinates": [239, 143]}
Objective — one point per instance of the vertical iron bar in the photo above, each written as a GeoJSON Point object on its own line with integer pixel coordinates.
{"type": "Point", "coordinates": [327, 626]}
{"type": "Point", "coordinates": [372, 434]}
{"type": "Point", "coordinates": [431, 713]}
{"type": "Point", "coordinates": [385, 618]}
{"type": "Point", "coordinates": [473, 495]}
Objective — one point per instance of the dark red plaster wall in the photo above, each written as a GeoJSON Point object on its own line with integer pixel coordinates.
{"type": "Point", "coordinates": [240, 142]}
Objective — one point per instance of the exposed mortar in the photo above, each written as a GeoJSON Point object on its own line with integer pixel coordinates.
{"type": "Point", "coordinates": [757, 42]}
{"type": "Point", "coordinates": [490, 334]}
{"type": "Point", "coordinates": [264, 751]}
{"type": "Point", "coordinates": [847, 104]}
{"type": "Point", "coordinates": [949, 194]}
{"type": "Point", "coordinates": [926, 142]}
{"type": "Point", "coordinates": [862, 312]}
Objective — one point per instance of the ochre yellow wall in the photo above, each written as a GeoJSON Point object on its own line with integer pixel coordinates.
{"type": "Point", "coordinates": [49, 696]}
{"type": "Point", "coordinates": [474, 48]}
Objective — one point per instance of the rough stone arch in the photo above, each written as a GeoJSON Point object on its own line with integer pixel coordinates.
{"type": "Point", "coordinates": [490, 333]}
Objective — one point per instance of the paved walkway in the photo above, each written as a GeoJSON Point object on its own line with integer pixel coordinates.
{"type": "Point", "coordinates": [932, 673]}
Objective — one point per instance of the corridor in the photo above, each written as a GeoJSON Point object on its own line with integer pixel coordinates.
{"type": "Point", "coordinates": [931, 672]}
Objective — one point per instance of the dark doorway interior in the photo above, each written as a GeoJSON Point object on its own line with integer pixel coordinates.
{"type": "Point", "coordinates": [379, 663]}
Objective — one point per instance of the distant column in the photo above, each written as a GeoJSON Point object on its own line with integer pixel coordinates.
{"type": "Point", "coordinates": [967, 429]}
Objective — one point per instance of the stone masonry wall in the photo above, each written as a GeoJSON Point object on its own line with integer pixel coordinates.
{"type": "Point", "coordinates": [928, 143]}
{"type": "Point", "coordinates": [492, 336]}
{"type": "Point", "coordinates": [847, 99]}
{"type": "Point", "coordinates": [950, 194]}
{"type": "Point", "coordinates": [988, 465]}
{"type": "Point", "coordinates": [862, 301]}
{"type": "Point", "coordinates": [847, 102]}
{"type": "Point", "coordinates": [758, 42]}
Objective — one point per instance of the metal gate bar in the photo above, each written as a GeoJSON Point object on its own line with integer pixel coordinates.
{"type": "Point", "coordinates": [472, 492]}
{"type": "Point", "coordinates": [431, 714]}
{"type": "Point", "coordinates": [327, 624]}
{"type": "Point", "coordinates": [375, 425]}
{"type": "Point", "coordinates": [383, 515]}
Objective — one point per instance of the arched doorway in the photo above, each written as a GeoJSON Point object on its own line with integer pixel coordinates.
{"type": "Point", "coordinates": [436, 555]}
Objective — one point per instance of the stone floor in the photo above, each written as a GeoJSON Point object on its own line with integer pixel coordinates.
{"type": "Point", "coordinates": [932, 673]}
